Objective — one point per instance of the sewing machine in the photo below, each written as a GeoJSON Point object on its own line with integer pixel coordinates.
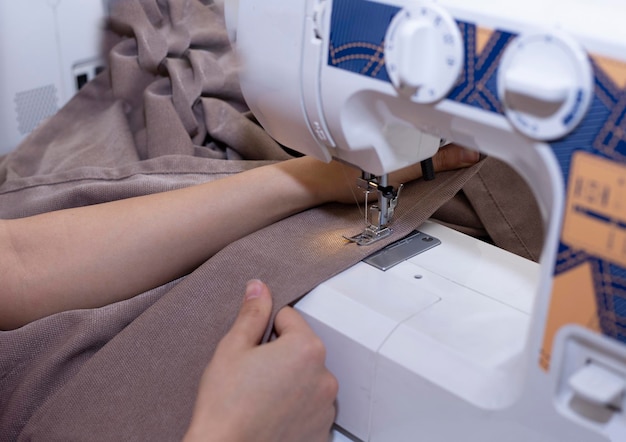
{"type": "Point", "coordinates": [49, 50]}
{"type": "Point", "coordinates": [463, 341]}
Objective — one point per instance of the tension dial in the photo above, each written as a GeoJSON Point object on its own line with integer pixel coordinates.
{"type": "Point", "coordinates": [424, 52]}
{"type": "Point", "coordinates": [545, 83]}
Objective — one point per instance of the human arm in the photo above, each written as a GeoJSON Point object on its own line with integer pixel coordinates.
{"type": "Point", "coordinates": [279, 391]}
{"type": "Point", "coordinates": [96, 255]}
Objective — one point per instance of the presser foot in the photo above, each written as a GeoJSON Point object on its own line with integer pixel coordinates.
{"type": "Point", "coordinates": [380, 214]}
{"type": "Point", "coordinates": [370, 235]}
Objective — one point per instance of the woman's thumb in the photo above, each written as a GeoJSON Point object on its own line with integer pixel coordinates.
{"type": "Point", "coordinates": [254, 314]}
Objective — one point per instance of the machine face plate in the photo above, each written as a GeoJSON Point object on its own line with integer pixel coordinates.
{"type": "Point", "coordinates": [414, 244]}
{"type": "Point", "coordinates": [591, 155]}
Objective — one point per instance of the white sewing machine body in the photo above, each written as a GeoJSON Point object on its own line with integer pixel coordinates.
{"type": "Point", "coordinates": [484, 346]}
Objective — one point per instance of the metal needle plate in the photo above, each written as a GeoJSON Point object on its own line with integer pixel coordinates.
{"type": "Point", "coordinates": [413, 244]}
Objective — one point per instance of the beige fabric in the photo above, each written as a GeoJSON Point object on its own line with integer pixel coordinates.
{"type": "Point", "coordinates": [505, 206]}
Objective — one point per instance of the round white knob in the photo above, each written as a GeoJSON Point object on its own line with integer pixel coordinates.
{"type": "Point", "coordinates": [423, 52]}
{"type": "Point", "coordinates": [545, 83]}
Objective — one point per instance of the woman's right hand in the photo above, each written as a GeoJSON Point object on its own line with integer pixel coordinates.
{"type": "Point", "coordinates": [279, 391]}
{"type": "Point", "coordinates": [336, 181]}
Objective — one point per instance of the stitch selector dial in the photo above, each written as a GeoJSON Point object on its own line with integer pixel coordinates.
{"type": "Point", "coordinates": [545, 82]}
{"type": "Point", "coordinates": [423, 52]}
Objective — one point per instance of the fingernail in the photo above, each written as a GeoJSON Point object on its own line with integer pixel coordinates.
{"type": "Point", "coordinates": [254, 288]}
{"type": "Point", "coordinates": [469, 156]}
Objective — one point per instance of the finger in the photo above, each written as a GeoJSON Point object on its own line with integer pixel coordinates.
{"type": "Point", "coordinates": [454, 156]}
{"type": "Point", "coordinates": [288, 320]}
{"type": "Point", "coordinates": [253, 316]}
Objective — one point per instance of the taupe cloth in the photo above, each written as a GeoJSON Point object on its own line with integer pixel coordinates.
{"type": "Point", "coordinates": [168, 113]}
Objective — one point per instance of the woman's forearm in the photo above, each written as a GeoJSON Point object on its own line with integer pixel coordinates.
{"type": "Point", "coordinates": [95, 255]}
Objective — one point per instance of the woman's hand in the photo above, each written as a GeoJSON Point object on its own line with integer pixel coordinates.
{"type": "Point", "coordinates": [336, 181]}
{"type": "Point", "coordinates": [279, 391]}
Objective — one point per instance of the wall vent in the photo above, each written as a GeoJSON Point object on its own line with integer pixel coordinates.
{"type": "Point", "coordinates": [35, 105]}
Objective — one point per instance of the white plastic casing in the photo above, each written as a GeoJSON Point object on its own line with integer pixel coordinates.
{"type": "Point", "coordinates": [271, 77]}
{"type": "Point", "coordinates": [314, 109]}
